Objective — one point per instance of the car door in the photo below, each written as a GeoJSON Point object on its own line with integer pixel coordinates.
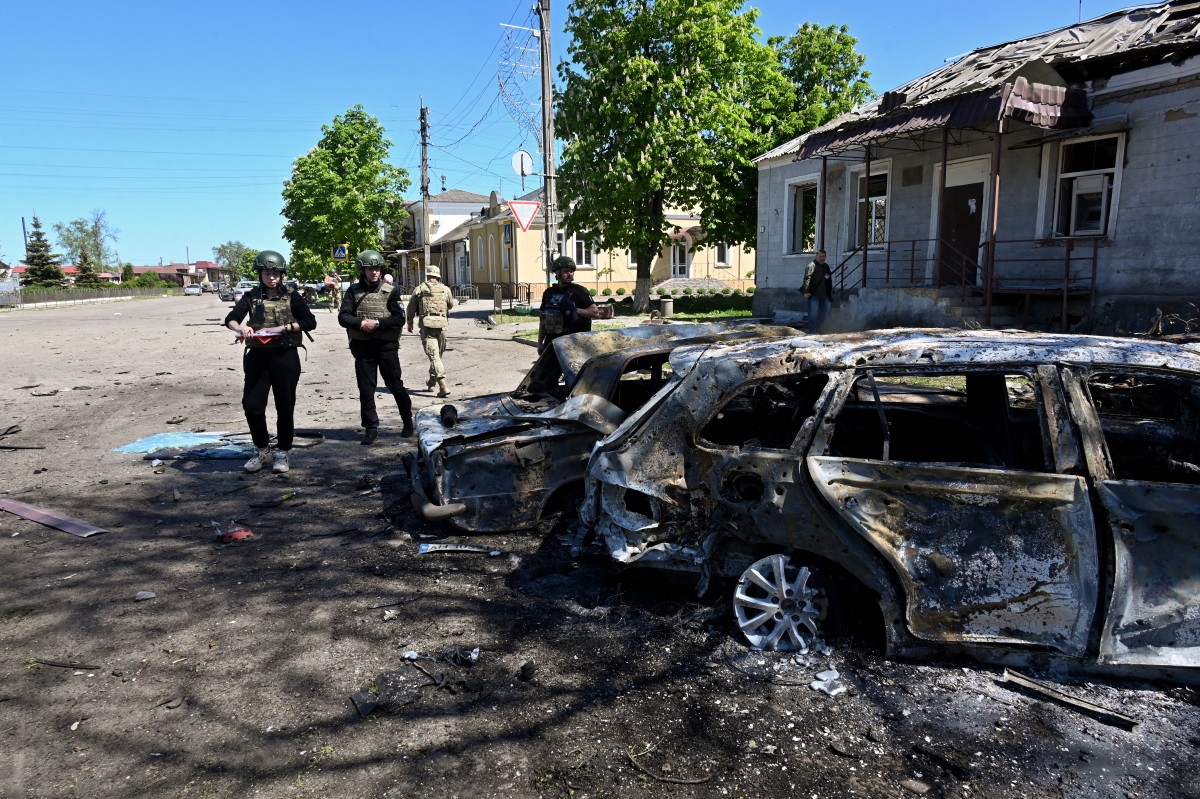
{"type": "Point", "coordinates": [1141, 435]}
{"type": "Point", "coordinates": [969, 484]}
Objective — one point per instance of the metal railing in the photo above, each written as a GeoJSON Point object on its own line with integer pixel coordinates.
{"type": "Point", "coordinates": [1012, 267]}
{"type": "Point", "coordinates": [464, 291]}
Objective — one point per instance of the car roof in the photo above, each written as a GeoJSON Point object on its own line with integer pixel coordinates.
{"type": "Point", "coordinates": [577, 349]}
{"type": "Point", "coordinates": [947, 347]}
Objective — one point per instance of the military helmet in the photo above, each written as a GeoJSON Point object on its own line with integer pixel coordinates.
{"type": "Point", "coordinates": [433, 271]}
{"type": "Point", "coordinates": [269, 259]}
{"type": "Point", "coordinates": [369, 258]}
{"type": "Point", "coordinates": [562, 262]}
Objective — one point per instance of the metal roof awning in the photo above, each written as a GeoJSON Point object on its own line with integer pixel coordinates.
{"type": "Point", "coordinates": [1038, 104]}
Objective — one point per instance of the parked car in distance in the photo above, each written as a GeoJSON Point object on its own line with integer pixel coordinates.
{"type": "Point", "coordinates": [1006, 495]}
{"type": "Point", "coordinates": [192, 290]}
{"type": "Point", "coordinates": [498, 462]}
{"type": "Point", "coordinates": [242, 287]}
{"type": "Point", "coordinates": [225, 293]}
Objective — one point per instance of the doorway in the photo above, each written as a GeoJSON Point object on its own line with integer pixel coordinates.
{"type": "Point", "coordinates": [679, 260]}
{"type": "Point", "coordinates": [962, 223]}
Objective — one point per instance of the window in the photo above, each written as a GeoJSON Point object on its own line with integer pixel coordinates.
{"type": "Point", "coordinates": [872, 198]}
{"type": "Point", "coordinates": [578, 248]}
{"type": "Point", "coordinates": [803, 214]}
{"type": "Point", "coordinates": [629, 254]}
{"type": "Point", "coordinates": [979, 418]}
{"type": "Point", "coordinates": [679, 261]}
{"type": "Point", "coordinates": [722, 254]}
{"type": "Point", "coordinates": [1151, 424]}
{"type": "Point", "coordinates": [767, 414]}
{"type": "Point", "coordinates": [479, 259]}
{"type": "Point", "coordinates": [1087, 171]}
{"type": "Point", "coordinates": [506, 250]}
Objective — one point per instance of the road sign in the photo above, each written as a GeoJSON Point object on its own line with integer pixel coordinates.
{"type": "Point", "coordinates": [524, 211]}
{"type": "Point", "coordinates": [340, 252]}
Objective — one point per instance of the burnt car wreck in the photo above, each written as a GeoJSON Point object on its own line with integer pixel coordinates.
{"type": "Point", "coordinates": [498, 462]}
{"type": "Point", "coordinates": [1006, 495]}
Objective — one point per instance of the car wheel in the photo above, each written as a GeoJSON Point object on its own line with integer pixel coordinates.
{"type": "Point", "coordinates": [775, 606]}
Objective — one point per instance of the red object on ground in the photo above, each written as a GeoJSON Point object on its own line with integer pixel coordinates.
{"type": "Point", "coordinates": [239, 534]}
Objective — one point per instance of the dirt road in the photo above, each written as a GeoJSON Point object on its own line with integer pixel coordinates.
{"type": "Point", "coordinates": [251, 669]}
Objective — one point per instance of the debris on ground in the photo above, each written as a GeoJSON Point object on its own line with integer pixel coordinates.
{"type": "Point", "coordinates": [50, 518]}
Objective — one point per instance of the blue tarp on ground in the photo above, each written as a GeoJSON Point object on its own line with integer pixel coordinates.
{"type": "Point", "coordinates": [172, 441]}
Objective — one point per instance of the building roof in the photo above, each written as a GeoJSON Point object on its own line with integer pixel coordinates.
{"type": "Point", "coordinates": [1036, 79]}
{"type": "Point", "coordinates": [453, 196]}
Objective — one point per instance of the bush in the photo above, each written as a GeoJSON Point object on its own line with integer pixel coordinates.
{"type": "Point", "coordinates": [727, 291]}
{"type": "Point", "coordinates": [750, 289]}
{"type": "Point", "coordinates": [592, 292]}
{"type": "Point", "coordinates": [660, 292]}
{"type": "Point", "coordinates": [687, 291]}
{"type": "Point", "coordinates": [621, 291]}
{"type": "Point", "coordinates": [607, 292]}
{"type": "Point", "coordinates": [737, 292]}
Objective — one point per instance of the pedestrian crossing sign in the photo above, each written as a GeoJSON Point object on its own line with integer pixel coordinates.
{"type": "Point", "coordinates": [340, 251]}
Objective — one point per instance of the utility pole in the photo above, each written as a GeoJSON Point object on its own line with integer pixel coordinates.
{"type": "Point", "coordinates": [550, 201]}
{"type": "Point", "coordinates": [425, 181]}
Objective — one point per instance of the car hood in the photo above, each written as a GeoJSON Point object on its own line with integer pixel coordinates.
{"type": "Point", "coordinates": [485, 419]}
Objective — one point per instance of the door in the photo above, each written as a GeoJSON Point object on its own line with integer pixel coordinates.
{"type": "Point", "coordinates": [947, 476]}
{"type": "Point", "coordinates": [1141, 433]}
{"type": "Point", "coordinates": [679, 261]}
{"type": "Point", "coordinates": [962, 224]}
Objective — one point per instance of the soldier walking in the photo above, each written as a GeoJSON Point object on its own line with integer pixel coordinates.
{"type": "Point", "coordinates": [431, 303]}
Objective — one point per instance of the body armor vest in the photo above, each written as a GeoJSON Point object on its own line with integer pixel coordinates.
{"type": "Point", "coordinates": [435, 305]}
{"type": "Point", "coordinates": [372, 305]}
{"type": "Point", "coordinates": [273, 312]}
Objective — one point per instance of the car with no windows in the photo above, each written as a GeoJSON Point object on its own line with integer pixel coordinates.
{"type": "Point", "coordinates": [499, 462]}
{"type": "Point", "coordinates": [993, 493]}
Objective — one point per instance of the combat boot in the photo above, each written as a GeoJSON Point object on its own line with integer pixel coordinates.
{"type": "Point", "coordinates": [443, 391]}
{"type": "Point", "coordinates": [408, 428]}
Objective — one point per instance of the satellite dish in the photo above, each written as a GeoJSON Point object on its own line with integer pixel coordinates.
{"type": "Point", "coordinates": [522, 163]}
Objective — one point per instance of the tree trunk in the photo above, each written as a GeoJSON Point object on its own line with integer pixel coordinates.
{"type": "Point", "coordinates": [647, 249]}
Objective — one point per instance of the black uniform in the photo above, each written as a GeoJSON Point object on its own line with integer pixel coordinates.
{"type": "Point", "coordinates": [560, 299]}
{"type": "Point", "coordinates": [272, 365]}
{"type": "Point", "coordinates": [376, 353]}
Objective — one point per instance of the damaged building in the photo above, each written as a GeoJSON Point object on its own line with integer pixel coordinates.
{"type": "Point", "coordinates": [1044, 183]}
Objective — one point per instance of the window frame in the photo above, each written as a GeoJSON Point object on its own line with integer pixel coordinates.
{"type": "Point", "coordinates": [1063, 220]}
{"type": "Point", "coordinates": [879, 169]}
{"type": "Point", "coordinates": [721, 255]}
{"type": "Point", "coordinates": [803, 186]}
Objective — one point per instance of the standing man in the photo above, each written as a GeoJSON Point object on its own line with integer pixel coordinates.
{"type": "Point", "coordinates": [567, 307]}
{"type": "Point", "coordinates": [431, 302]}
{"type": "Point", "coordinates": [818, 290]}
{"type": "Point", "coordinates": [333, 290]}
{"type": "Point", "coordinates": [278, 319]}
{"type": "Point", "coordinates": [374, 319]}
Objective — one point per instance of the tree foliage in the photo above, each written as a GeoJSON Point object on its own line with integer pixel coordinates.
{"type": "Point", "coordinates": [342, 191]}
{"type": "Point", "coordinates": [245, 266]}
{"type": "Point", "coordinates": [127, 273]}
{"type": "Point", "coordinates": [826, 73]}
{"type": "Point", "coordinates": [229, 255]}
{"type": "Point", "coordinates": [43, 270]}
{"type": "Point", "coordinates": [91, 237]}
{"type": "Point", "coordinates": [663, 105]}
{"type": "Point", "coordinates": [87, 277]}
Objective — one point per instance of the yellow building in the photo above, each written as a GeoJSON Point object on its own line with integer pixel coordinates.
{"type": "Point", "coordinates": [507, 260]}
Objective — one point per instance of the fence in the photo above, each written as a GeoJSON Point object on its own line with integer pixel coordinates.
{"type": "Point", "coordinates": [26, 299]}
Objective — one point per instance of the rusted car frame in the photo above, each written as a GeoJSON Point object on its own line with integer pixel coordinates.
{"type": "Point", "coordinates": [497, 462]}
{"type": "Point", "coordinates": [997, 493]}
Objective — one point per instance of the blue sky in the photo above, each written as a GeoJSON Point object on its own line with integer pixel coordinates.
{"type": "Point", "coordinates": [181, 121]}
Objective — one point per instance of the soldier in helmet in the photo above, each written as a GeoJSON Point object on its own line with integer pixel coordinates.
{"type": "Point", "coordinates": [431, 303]}
{"type": "Point", "coordinates": [374, 319]}
{"type": "Point", "coordinates": [278, 318]}
{"type": "Point", "coordinates": [567, 307]}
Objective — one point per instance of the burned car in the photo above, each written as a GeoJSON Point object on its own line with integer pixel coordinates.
{"type": "Point", "coordinates": [993, 493]}
{"type": "Point", "coordinates": [497, 462]}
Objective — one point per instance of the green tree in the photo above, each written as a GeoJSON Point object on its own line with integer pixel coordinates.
{"type": "Point", "coordinates": [826, 73]}
{"type": "Point", "coordinates": [663, 105]}
{"type": "Point", "coordinates": [342, 191]}
{"type": "Point", "coordinates": [229, 255]}
{"type": "Point", "coordinates": [245, 267]}
{"type": "Point", "coordinates": [127, 273]}
{"type": "Point", "coordinates": [87, 278]}
{"type": "Point", "coordinates": [91, 236]}
{"type": "Point", "coordinates": [148, 280]}
{"type": "Point", "coordinates": [43, 269]}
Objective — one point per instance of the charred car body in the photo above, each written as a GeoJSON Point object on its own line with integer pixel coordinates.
{"type": "Point", "coordinates": [997, 493]}
{"type": "Point", "coordinates": [496, 462]}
